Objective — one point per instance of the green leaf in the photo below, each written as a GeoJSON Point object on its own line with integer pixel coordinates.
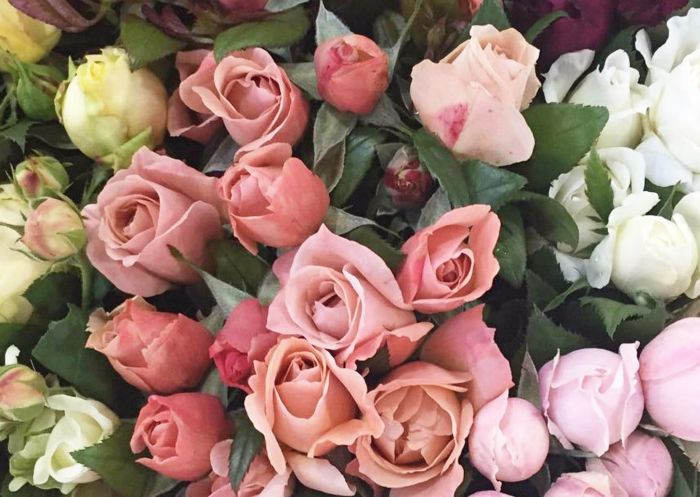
{"type": "Point", "coordinates": [17, 133]}
{"type": "Point", "coordinates": [681, 487]}
{"type": "Point", "coordinates": [145, 42]}
{"type": "Point", "coordinates": [436, 206]}
{"type": "Point", "coordinates": [613, 313]}
{"type": "Point", "coordinates": [511, 250]}
{"type": "Point", "coordinates": [213, 385]}
{"type": "Point", "coordinates": [598, 187]}
{"type": "Point", "coordinates": [443, 166]}
{"type": "Point", "coordinates": [366, 236]}
{"type": "Point", "coordinates": [384, 115]}
{"type": "Point", "coordinates": [542, 24]}
{"type": "Point", "coordinates": [268, 288]}
{"type": "Point", "coordinates": [115, 463]}
{"type": "Point", "coordinates": [539, 291]}
{"type": "Point", "coordinates": [549, 218]}
{"type": "Point", "coordinates": [561, 298]}
{"type": "Point", "coordinates": [691, 450]}
{"type": "Point", "coordinates": [303, 74]}
{"type": "Point", "coordinates": [359, 157]}
{"type": "Point", "coordinates": [387, 28]}
{"type": "Point", "coordinates": [545, 338]}
{"type": "Point", "coordinates": [22, 336]}
{"type": "Point", "coordinates": [330, 129]}
{"type": "Point", "coordinates": [564, 133]}
{"type": "Point", "coordinates": [238, 267]}
{"type": "Point", "coordinates": [328, 25]}
{"type": "Point", "coordinates": [26, 490]}
{"type": "Point", "coordinates": [341, 222]}
{"type": "Point", "coordinates": [624, 40]}
{"type": "Point", "coordinates": [247, 442]}
{"type": "Point", "coordinates": [669, 196]}
{"type": "Point", "coordinates": [490, 185]}
{"type": "Point", "coordinates": [277, 31]}
{"type": "Point", "coordinates": [395, 51]}
{"type": "Point", "coordinates": [282, 5]}
{"type": "Point", "coordinates": [491, 12]}
{"type": "Point", "coordinates": [51, 294]}
{"type": "Point", "coordinates": [643, 329]}
{"type": "Point", "coordinates": [528, 386]}
{"type": "Point", "coordinates": [222, 156]}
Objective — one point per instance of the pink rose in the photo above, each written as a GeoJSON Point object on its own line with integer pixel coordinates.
{"type": "Point", "coordinates": [592, 397]}
{"type": "Point", "coordinates": [305, 405]}
{"type": "Point", "coordinates": [407, 181]}
{"type": "Point", "coordinates": [252, 95]}
{"type": "Point", "coordinates": [344, 61]}
{"type": "Point", "coordinates": [179, 431]}
{"type": "Point", "coordinates": [243, 339]}
{"type": "Point", "coordinates": [262, 193]}
{"type": "Point", "coordinates": [157, 202]}
{"type": "Point", "coordinates": [342, 297]}
{"type": "Point", "coordinates": [157, 352]}
{"type": "Point", "coordinates": [472, 98]}
{"type": "Point", "coordinates": [585, 484]}
{"type": "Point", "coordinates": [451, 262]}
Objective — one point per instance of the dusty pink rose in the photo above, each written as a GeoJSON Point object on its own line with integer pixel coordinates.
{"type": "Point", "coordinates": [243, 339]}
{"type": "Point", "coordinates": [157, 202]}
{"type": "Point", "coordinates": [344, 61]}
{"type": "Point", "coordinates": [179, 431]}
{"type": "Point", "coordinates": [592, 397]}
{"type": "Point", "coordinates": [157, 352]}
{"type": "Point", "coordinates": [305, 405]}
{"type": "Point", "coordinates": [342, 297]}
{"type": "Point", "coordinates": [260, 479]}
{"type": "Point", "coordinates": [585, 484]}
{"type": "Point", "coordinates": [451, 262]}
{"type": "Point", "coordinates": [251, 94]}
{"type": "Point", "coordinates": [54, 230]}
{"type": "Point", "coordinates": [263, 194]}
{"type": "Point", "coordinates": [472, 98]}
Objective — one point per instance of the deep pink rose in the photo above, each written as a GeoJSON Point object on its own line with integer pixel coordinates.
{"type": "Point", "coordinates": [648, 12]}
{"type": "Point", "coordinates": [273, 198]}
{"type": "Point", "coordinates": [156, 203]}
{"type": "Point", "coordinates": [341, 63]}
{"type": "Point", "coordinates": [451, 262]}
{"type": "Point", "coordinates": [407, 181]}
{"type": "Point", "coordinates": [243, 339]}
{"type": "Point", "coordinates": [179, 431]}
{"type": "Point", "coordinates": [157, 352]}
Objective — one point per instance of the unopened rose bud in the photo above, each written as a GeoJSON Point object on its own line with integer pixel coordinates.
{"type": "Point", "coordinates": [36, 89]}
{"type": "Point", "coordinates": [54, 230]}
{"type": "Point", "coordinates": [22, 394]}
{"type": "Point", "coordinates": [41, 176]}
{"type": "Point", "coordinates": [408, 183]}
{"type": "Point", "coordinates": [24, 37]}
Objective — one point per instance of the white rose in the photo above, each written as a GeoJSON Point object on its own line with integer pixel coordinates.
{"type": "Point", "coordinates": [643, 253]}
{"type": "Point", "coordinates": [615, 86]}
{"type": "Point", "coordinates": [689, 208]}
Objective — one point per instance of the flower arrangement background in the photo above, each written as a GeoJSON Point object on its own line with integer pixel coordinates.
{"type": "Point", "coordinates": [361, 248]}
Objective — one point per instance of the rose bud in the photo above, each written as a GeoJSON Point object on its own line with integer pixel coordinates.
{"type": "Point", "coordinates": [508, 441]}
{"type": "Point", "coordinates": [157, 352]}
{"type": "Point", "coordinates": [585, 484]}
{"type": "Point", "coordinates": [243, 339]}
{"type": "Point", "coordinates": [670, 373]}
{"type": "Point", "coordinates": [592, 397]}
{"type": "Point", "coordinates": [642, 466]}
{"type": "Point", "coordinates": [261, 192]}
{"type": "Point", "coordinates": [22, 395]}
{"type": "Point", "coordinates": [24, 37]}
{"type": "Point", "coordinates": [41, 176]}
{"type": "Point", "coordinates": [35, 89]}
{"type": "Point", "coordinates": [179, 431]}
{"type": "Point", "coordinates": [109, 111]}
{"type": "Point", "coordinates": [344, 61]}
{"type": "Point", "coordinates": [408, 183]}
{"type": "Point", "coordinates": [54, 230]}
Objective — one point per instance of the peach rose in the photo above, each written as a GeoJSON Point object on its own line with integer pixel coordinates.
{"type": "Point", "coordinates": [156, 203]}
{"type": "Point", "coordinates": [305, 405]}
{"type": "Point", "coordinates": [451, 262]}
{"type": "Point", "coordinates": [343, 61]}
{"type": "Point", "coordinates": [157, 352]}
{"type": "Point", "coordinates": [252, 95]}
{"type": "Point", "coordinates": [472, 98]}
{"type": "Point", "coordinates": [262, 193]}
{"type": "Point", "coordinates": [342, 297]}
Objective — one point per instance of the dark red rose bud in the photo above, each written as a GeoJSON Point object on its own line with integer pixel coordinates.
{"type": "Point", "coordinates": [409, 183]}
{"type": "Point", "coordinates": [648, 12]}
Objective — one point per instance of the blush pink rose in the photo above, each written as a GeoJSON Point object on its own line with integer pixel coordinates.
{"type": "Point", "coordinates": [262, 192]}
{"type": "Point", "coordinates": [305, 405]}
{"type": "Point", "coordinates": [472, 98]}
{"type": "Point", "coordinates": [585, 484]}
{"type": "Point", "coordinates": [157, 352]}
{"type": "Point", "coordinates": [243, 339]}
{"type": "Point", "coordinates": [342, 297]}
{"type": "Point", "coordinates": [179, 431]}
{"type": "Point", "coordinates": [251, 94]}
{"type": "Point", "coordinates": [451, 262]}
{"type": "Point", "coordinates": [344, 61]}
{"type": "Point", "coordinates": [156, 203]}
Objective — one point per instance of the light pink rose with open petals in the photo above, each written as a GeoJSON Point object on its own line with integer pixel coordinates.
{"type": "Point", "coordinates": [273, 198]}
{"type": "Point", "coordinates": [342, 297]}
{"type": "Point", "coordinates": [592, 397]}
{"type": "Point", "coordinates": [585, 484]}
{"type": "Point", "coordinates": [305, 405]}
{"type": "Point", "coordinates": [472, 98]}
{"type": "Point", "coordinates": [157, 352]}
{"type": "Point", "coordinates": [251, 94]}
{"type": "Point", "coordinates": [451, 262]}
{"type": "Point", "coordinates": [156, 203]}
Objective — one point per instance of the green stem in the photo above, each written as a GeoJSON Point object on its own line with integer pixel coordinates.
{"type": "Point", "coordinates": [86, 274]}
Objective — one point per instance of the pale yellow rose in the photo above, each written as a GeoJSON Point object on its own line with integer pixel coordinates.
{"type": "Point", "coordinates": [27, 39]}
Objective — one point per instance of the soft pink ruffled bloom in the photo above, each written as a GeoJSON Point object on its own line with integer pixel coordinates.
{"type": "Point", "coordinates": [156, 203]}
{"type": "Point", "coordinates": [344, 61]}
{"type": "Point", "coordinates": [157, 352]}
{"type": "Point", "coordinates": [273, 198]}
{"type": "Point", "coordinates": [252, 95]}
{"type": "Point", "coordinates": [472, 98]}
{"type": "Point", "coordinates": [592, 397]}
{"type": "Point", "coordinates": [305, 405]}
{"type": "Point", "coordinates": [509, 440]}
{"type": "Point", "coordinates": [243, 340]}
{"type": "Point", "coordinates": [585, 484]}
{"type": "Point", "coordinates": [451, 262]}
{"type": "Point", "coordinates": [179, 431]}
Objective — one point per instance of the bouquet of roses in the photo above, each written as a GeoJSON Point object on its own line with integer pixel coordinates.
{"type": "Point", "coordinates": [404, 248]}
